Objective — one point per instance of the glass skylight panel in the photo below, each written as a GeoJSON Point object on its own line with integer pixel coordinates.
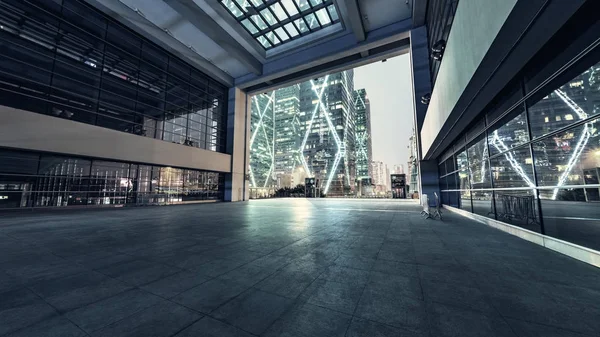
{"type": "Point", "coordinates": [290, 7]}
{"type": "Point", "coordinates": [303, 4]}
{"type": "Point", "coordinates": [301, 25]}
{"type": "Point", "coordinates": [249, 26]}
{"type": "Point", "coordinates": [273, 22]}
{"type": "Point", "coordinates": [323, 16]}
{"type": "Point", "coordinates": [312, 21]}
{"type": "Point", "coordinates": [281, 34]}
{"type": "Point", "coordinates": [259, 22]}
{"type": "Point", "coordinates": [279, 12]}
{"type": "Point", "coordinates": [263, 40]}
{"type": "Point", "coordinates": [232, 7]}
{"type": "Point", "coordinates": [333, 13]}
{"type": "Point", "coordinates": [273, 38]}
{"type": "Point", "coordinates": [268, 16]}
{"type": "Point", "coordinates": [291, 29]}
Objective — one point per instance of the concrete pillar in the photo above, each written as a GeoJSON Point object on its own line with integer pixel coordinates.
{"type": "Point", "coordinates": [238, 139]}
{"type": "Point", "coordinates": [421, 80]}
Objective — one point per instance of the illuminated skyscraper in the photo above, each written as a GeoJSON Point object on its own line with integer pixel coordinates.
{"type": "Point", "coordinates": [262, 152]}
{"type": "Point", "coordinates": [328, 125]}
{"type": "Point", "coordinates": [287, 135]}
{"type": "Point", "coordinates": [364, 150]}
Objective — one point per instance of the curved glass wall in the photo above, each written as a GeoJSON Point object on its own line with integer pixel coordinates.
{"type": "Point", "coordinates": [64, 58]}
{"type": "Point", "coordinates": [538, 166]}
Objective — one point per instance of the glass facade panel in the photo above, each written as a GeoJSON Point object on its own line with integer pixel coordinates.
{"type": "Point", "coordinates": [68, 60]}
{"type": "Point", "coordinates": [564, 159]}
{"type": "Point", "coordinates": [32, 180]}
{"type": "Point", "coordinates": [543, 160]}
{"type": "Point", "coordinates": [483, 203]}
{"type": "Point", "coordinates": [479, 167]}
{"type": "Point", "coordinates": [572, 216]}
{"type": "Point", "coordinates": [512, 169]}
{"type": "Point", "coordinates": [508, 135]}
{"type": "Point", "coordinates": [574, 101]}
{"type": "Point", "coordinates": [518, 208]}
{"type": "Point", "coordinates": [465, 200]}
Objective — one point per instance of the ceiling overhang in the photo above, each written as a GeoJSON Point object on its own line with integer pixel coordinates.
{"type": "Point", "coordinates": [211, 36]}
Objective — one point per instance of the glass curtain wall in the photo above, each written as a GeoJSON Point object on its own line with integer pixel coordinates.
{"type": "Point", "coordinates": [30, 179]}
{"type": "Point", "coordinates": [536, 164]}
{"type": "Point", "coordinates": [65, 59]}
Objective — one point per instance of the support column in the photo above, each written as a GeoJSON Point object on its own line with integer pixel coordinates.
{"type": "Point", "coordinates": [421, 80]}
{"type": "Point", "coordinates": [238, 139]}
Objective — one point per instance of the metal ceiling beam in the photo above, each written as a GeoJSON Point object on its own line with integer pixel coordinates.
{"type": "Point", "coordinates": [419, 12]}
{"type": "Point", "coordinates": [196, 16]}
{"type": "Point", "coordinates": [133, 20]}
{"type": "Point", "coordinates": [331, 50]}
{"type": "Point", "coordinates": [353, 18]}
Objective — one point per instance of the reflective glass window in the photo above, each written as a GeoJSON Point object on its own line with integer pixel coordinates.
{"type": "Point", "coordinates": [564, 159]}
{"type": "Point", "coordinates": [479, 170]}
{"type": "Point", "coordinates": [510, 134]}
{"type": "Point", "coordinates": [518, 208]}
{"type": "Point", "coordinates": [465, 201]}
{"type": "Point", "coordinates": [483, 203]}
{"type": "Point", "coordinates": [573, 215]}
{"type": "Point", "coordinates": [574, 101]}
{"type": "Point", "coordinates": [513, 169]}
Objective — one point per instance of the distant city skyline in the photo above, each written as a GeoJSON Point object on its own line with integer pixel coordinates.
{"type": "Point", "coordinates": [388, 85]}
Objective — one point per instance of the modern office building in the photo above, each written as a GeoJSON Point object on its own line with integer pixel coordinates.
{"type": "Point", "coordinates": [381, 176]}
{"type": "Point", "coordinates": [137, 102]}
{"type": "Point", "coordinates": [287, 136]}
{"type": "Point", "coordinates": [328, 122]}
{"type": "Point", "coordinates": [262, 141]}
{"type": "Point", "coordinates": [413, 167]}
{"type": "Point", "coordinates": [398, 169]}
{"type": "Point", "coordinates": [362, 135]}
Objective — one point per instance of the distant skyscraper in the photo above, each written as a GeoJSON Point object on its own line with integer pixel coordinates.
{"type": "Point", "coordinates": [328, 125]}
{"type": "Point", "coordinates": [398, 169]}
{"type": "Point", "coordinates": [305, 130]}
{"type": "Point", "coordinates": [262, 154]}
{"type": "Point", "coordinates": [413, 169]}
{"type": "Point", "coordinates": [287, 134]}
{"type": "Point", "coordinates": [381, 176]}
{"type": "Point", "coordinates": [363, 147]}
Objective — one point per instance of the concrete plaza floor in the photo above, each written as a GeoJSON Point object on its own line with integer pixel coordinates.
{"type": "Point", "coordinates": [287, 267]}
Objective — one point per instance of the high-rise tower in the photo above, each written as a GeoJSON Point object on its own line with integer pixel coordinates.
{"type": "Point", "coordinates": [327, 118]}
{"type": "Point", "coordinates": [363, 147]}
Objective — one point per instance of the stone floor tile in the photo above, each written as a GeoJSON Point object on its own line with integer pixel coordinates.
{"type": "Point", "coordinates": [209, 327]}
{"type": "Point", "coordinates": [342, 297]}
{"type": "Point", "coordinates": [105, 312]}
{"type": "Point", "coordinates": [309, 320]}
{"type": "Point", "coordinates": [449, 321]}
{"type": "Point", "coordinates": [175, 284]}
{"type": "Point", "coordinates": [21, 308]}
{"type": "Point", "coordinates": [210, 295]}
{"type": "Point", "coordinates": [163, 319]}
{"type": "Point", "coordinates": [57, 326]}
{"type": "Point", "coordinates": [253, 311]}
{"type": "Point", "coordinates": [364, 328]}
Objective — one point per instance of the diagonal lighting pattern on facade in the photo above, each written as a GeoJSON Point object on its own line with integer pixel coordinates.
{"type": "Point", "coordinates": [341, 150]}
{"type": "Point", "coordinates": [581, 143]}
{"type": "Point", "coordinates": [309, 127]}
{"type": "Point", "coordinates": [261, 115]}
{"type": "Point", "coordinates": [501, 146]}
{"type": "Point", "coordinates": [260, 125]}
